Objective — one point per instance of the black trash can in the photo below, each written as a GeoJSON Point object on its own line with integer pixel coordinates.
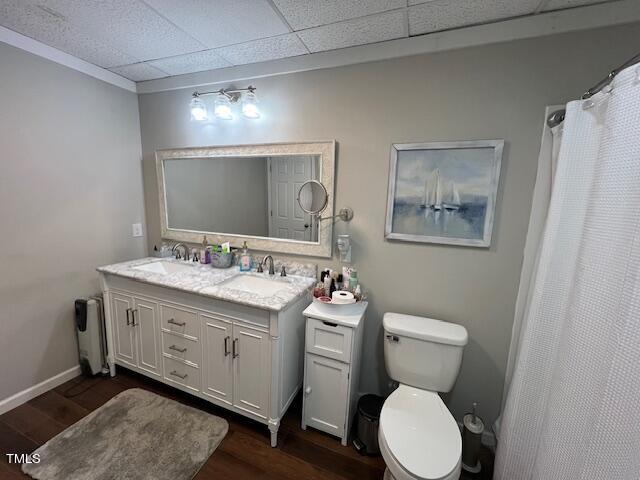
{"type": "Point", "coordinates": [368, 420]}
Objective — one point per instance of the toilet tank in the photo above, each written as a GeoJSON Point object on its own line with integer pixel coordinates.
{"type": "Point", "coordinates": [423, 352]}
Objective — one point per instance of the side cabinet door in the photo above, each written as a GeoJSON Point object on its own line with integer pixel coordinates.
{"type": "Point", "coordinates": [252, 369]}
{"type": "Point", "coordinates": [146, 327]}
{"type": "Point", "coordinates": [217, 365]}
{"type": "Point", "coordinates": [121, 306]}
{"type": "Point", "coordinates": [325, 394]}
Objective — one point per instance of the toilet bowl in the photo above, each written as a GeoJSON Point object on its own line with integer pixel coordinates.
{"type": "Point", "coordinates": [419, 438]}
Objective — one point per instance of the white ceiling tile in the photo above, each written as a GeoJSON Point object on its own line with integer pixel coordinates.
{"type": "Point", "coordinates": [262, 50]}
{"type": "Point", "coordinates": [439, 15]}
{"type": "Point", "coordinates": [303, 14]}
{"type": "Point", "coordinates": [560, 4]}
{"type": "Point", "coordinates": [223, 22]}
{"type": "Point", "coordinates": [128, 25]}
{"type": "Point", "coordinates": [26, 18]}
{"type": "Point", "coordinates": [359, 31]}
{"type": "Point", "coordinates": [139, 72]}
{"type": "Point", "coordinates": [191, 62]}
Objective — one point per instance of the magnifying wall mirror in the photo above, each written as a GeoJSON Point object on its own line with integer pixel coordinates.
{"type": "Point", "coordinates": [313, 197]}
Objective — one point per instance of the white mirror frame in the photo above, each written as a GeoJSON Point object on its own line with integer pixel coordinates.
{"type": "Point", "coordinates": [326, 152]}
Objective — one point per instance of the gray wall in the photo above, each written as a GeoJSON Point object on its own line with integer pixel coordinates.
{"type": "Point", "coordinates": [218, 194]}
{"type": "Point", "coordinates": [70, 188]}
{"type": "Point", "coordinates": [497, 91]}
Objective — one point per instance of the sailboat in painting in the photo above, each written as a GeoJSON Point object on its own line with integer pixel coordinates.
{"type": "Point", "coordinates": [452, 200]}
{"type": "Point", "coordinates": [433, 192]}
{"type": "Point", "coordinates": [435, 197]}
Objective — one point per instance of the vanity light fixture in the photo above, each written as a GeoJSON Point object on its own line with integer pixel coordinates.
{"type": "Point", "coordinates": [198, 109]}
{"type": "Point", "coordinates": [225, 98]}
{"type": "Point", "coordinates": [222, 107]}
{"type": "Point", "coordinates": [250, 105]}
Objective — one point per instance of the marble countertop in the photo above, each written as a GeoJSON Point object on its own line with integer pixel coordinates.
{"type": "Point", "coordinates": [208, 281]}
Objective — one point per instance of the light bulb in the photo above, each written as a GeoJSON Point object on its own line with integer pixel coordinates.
{"type": "Point", "coordinates": [250, 105]}
{"type": "Point", "coordinates": [222, 108]}
{"type": "Point", "coordinates": [198, 110]}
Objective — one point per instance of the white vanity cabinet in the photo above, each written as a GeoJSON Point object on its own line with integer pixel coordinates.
{"type": "Point", "coordinates": [135, 325]}
{"type": "Point", "coordinates": [332, 367]}
{"type": "Point", "coordinates": [246, 359]}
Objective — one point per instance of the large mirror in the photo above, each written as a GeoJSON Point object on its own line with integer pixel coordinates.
{"type": "Point", "coordinates": [249, 192]}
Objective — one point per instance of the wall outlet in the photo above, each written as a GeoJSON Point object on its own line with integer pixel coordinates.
{"type": "Point", "coordinates": [136, 229]}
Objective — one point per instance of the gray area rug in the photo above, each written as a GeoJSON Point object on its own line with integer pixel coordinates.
{"type": "Point", "coordinates": [135, 435]}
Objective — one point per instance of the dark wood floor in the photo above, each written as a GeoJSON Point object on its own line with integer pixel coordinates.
{"type": "Point", "coordinates": [243, 454]}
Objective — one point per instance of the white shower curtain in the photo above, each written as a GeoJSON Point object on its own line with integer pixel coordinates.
{"type": "Point", "coordinates": [573, 406]}
{"type": "Point", "coordinates": [547, 162]}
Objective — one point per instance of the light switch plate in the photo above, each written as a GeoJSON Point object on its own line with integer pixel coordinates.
{"type": "Point", "coordinates": [136, 229]}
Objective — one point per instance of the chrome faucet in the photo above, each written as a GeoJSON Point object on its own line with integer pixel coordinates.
{"type": "Point", "coordinates": [176, 252]}
{"type": "Point", "coordinates": [272, 270]}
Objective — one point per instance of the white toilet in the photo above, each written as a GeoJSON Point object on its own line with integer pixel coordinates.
{"type": "Point", "coordinates": [419, 438]}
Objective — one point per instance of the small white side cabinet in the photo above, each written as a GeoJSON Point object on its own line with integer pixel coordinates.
{"type": "Point", "coordinates": [332, 367]}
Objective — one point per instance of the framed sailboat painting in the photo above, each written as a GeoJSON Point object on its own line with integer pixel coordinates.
{"type": "Point", "coordinates": [443, 192]}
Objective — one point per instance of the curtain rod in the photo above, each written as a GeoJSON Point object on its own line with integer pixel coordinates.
{"type": "Point", "coordinates": [609, 78]}
{"type": "Point", "coordinates": [557, 117]}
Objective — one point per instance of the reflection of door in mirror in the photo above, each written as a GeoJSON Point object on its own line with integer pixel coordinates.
{"type": "Point", "coordinates": [287, 219]}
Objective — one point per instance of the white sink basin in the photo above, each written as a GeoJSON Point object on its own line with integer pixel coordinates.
{"type": "Point", "coordinates": [163, 268]}
{"type": "Point", "coordinates": [256, 285]}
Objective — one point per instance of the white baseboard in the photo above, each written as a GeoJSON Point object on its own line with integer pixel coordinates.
{"type": "Point", "coordinates": [32, 392]}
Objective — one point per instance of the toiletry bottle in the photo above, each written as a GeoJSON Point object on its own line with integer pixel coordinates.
{"type": "Point", "coordinates": [203, 250]}
{"type": "Point", "coordinates": [245, 259]}
{"type": "Point", "coordinates": [327, 284]}
{"type": "Point", "coordinates": [358, 293]}
{"type": "Point", "coordinates": [353, 280]}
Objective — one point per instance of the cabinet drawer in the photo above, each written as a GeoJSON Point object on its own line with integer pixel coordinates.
{"type": "Point", "coordinates": [181, 348]}
{"type": "Point", "coordinates": [180, 321]}
{"type": "Point", "coordinates": [178, 372]}
{"type": "Point", "coordinates": [328, 339]}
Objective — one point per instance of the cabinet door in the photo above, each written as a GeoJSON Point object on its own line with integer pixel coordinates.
{"type": "Point", "coordinates": [252, 369]}
{"type": "Point", "coordinates": [217, 365]}
{"type": "Point", "coordinates": [325, 394]}
{"type": "Point", "coordinates": [121, 306]}
{"type": "Point", "coordinates": [146, 326]}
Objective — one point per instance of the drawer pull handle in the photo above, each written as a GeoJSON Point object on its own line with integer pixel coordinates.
{"type": "Point", "coordinates": [178, 349]}
{"type": "Point", "coordinates": [128, 321]}
{"type": "Point", "coordinates": [176, 374]}
{"type": "Point", "coordinates": [329, 324]}
{"type": "Point", "coordinates": [307, 390]}
{"type": "Point", "coordinates": [133, 317]}
{"type": "Point", "coordinates": [226, 346]}
{"type": "Point", "coordinates": [235, 348]}
{"type": "Point", "coordinates": [173, 322]}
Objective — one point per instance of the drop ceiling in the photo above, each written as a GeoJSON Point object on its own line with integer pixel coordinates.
{"type": "Point", "coordinates": [149, 39]}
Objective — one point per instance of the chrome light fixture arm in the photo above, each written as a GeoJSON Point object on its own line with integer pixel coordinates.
{"type": "Point", "coordinates": [233, 94]}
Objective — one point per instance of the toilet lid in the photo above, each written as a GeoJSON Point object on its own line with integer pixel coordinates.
{"type": "Point", "coordinates": [421, 433]}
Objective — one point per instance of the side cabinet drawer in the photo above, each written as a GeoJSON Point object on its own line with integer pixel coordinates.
{"type": "Point", "coordinates": [329, 339]}
{"type": "Point", "coordinates": [180, 321]}
{"type": "Point", "coordinates": [182, 374]}
{"type": "Point", "coordinates": [181, 348]}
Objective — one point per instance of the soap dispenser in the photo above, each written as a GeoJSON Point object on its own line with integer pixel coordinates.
{"type": "Point", "coordinates": [245, 258]}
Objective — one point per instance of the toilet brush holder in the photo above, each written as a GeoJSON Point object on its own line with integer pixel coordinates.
{"type": "Point", "coordinates": [472, 429]}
